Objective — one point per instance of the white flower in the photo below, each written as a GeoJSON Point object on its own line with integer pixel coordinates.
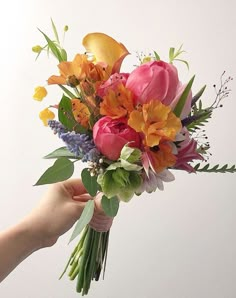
{"type": "Point", "coordinates": [153, 180]}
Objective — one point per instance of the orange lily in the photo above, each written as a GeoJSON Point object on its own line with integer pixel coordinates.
{"type": "Point", "coordinates": [105, 50]}
{"type": "Point", "coordinates": [156, 121]}
{"type": "Point", "coordinates": [117, 103]}
{"type": "Point", "coordinates": [72, 73]}
{"type": "Point", "coordinates": [80, 112]}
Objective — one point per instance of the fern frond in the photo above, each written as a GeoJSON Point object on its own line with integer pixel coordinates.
{"type": "Point", "coordinates": [215, 169]}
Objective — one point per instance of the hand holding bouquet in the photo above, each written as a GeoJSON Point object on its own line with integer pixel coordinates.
{"type": "Point", "coordinates": [131, 130]}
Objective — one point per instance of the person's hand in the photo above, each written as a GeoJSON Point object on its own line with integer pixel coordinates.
{"type": "Point", "coordinates": [60, 208]}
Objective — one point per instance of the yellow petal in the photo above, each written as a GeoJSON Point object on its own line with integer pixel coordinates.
{"type": "Point", "coordinates": [105, 49]}
{"type": "Point", "coordinates": [39, 93]}
{"type": "Point", "coordinates": [46, 115]}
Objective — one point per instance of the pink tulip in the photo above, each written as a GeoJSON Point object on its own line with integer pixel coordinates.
{"type": "Point", "coordinates": [154, 80]}
{"type": "Point", "coordinates": [110, 136]}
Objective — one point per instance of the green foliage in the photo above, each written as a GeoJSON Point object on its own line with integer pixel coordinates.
{"type": "Point", "coordinates": [215, 169]}
{"type": "Point", "coordinates": [180, 105]}
{"type": "Point", "coordinates": [173, 54]}
{"type": "Point", "coordinates": [201, 118]}
{"type": "Point", "coordinates": [110, 206]}
{"type": "Point", "coordinates": [90, 182]}
{"type": "Point", "coordinates": [66, 117]}
{"type": "Point", "coordinates": [68, 92]}
{"type": "Point", "coordinates": [129, 154]}
{"type": "Point", "coordinates": [54, 46]}
{"type": "Point", "coordinates": [61, 170]}
{"type": "Point", "coordinates": [84, 219]}
{"type": "Point", "coordinates": [120, 183]}
{"type": "Point", "coordinates": [61, 152]}
{"type": "Point", "coordinates": [198, 95]}
{"type": "Point", "coordinates": [55, 49]}
{"type": "Point", "coordinates": [157, 57]}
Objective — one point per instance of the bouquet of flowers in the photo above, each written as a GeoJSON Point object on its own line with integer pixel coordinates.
{"type": "Point", "coordinates": [130, 129]}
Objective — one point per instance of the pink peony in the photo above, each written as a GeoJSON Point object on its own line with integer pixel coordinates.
{"type": "Point", "coordinates": [154, 80]}
{"type": "Point", "coordinates": [110, 136]}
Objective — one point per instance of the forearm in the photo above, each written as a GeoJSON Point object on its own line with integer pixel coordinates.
{"type": "Point", "coordinates": [16, 244]}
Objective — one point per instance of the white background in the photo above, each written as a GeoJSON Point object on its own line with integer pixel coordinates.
{"type": "Point", "coordinates": [179, 243]}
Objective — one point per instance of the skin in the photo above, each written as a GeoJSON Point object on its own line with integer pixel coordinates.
{"type": "Point", "coordinates": [56, 213]}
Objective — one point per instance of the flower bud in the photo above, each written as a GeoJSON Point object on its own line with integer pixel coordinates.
{"type": "Point", "coordinates": [37, 49]}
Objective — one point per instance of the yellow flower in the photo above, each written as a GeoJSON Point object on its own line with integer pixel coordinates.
{"type": "Point", "coordinates": [39, 93]}
{"type": "Point", "coordinates": [105, 50]}
{"type": "Point", "coordinates": [46, 115]}
{"type": "Point", "coordinates": [156, 121]}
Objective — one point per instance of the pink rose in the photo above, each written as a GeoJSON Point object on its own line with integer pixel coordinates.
{"type": "Point", "coordinates": [112, 83]}
{"type": "Point", "coordinates": [154, 80]}
{"type": "Point", "coordinates": [110, 136]}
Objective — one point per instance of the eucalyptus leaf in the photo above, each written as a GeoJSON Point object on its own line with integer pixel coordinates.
{"type": "Point", "coordinates": [60, 152]}
{"type": "Point", "coordinates": [61, 170]}
{"type": "Point", "coordinates": [84, 219]}
{"type": "Point", "coordinates": [110, 206]}
{"type": "Point", "coordinates": [90, 182]}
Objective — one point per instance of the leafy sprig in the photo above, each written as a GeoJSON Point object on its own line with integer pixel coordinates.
{"type": "Point", "coordinates": [215, 169]}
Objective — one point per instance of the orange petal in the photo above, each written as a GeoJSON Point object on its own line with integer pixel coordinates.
{"type": "Point", "coordinates": [105, 49]}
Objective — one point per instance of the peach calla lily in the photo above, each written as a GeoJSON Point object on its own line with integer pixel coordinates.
{"type": "Point", "coordinates": [106, 50]}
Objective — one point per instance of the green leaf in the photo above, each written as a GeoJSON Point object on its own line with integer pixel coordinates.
{"type": "Point", "coordinates": [110, 206]}
{"type": "Point", "coordinates": [55, 31]}
{"type": "Point", "coordinates": [198, 120]}
{"type": "Point", "coordinates": [90, 182]}
{"type": "Point", "coordinates": [157, 57]}
{"type": "Point", "coordinates": [68, 92]}
{"type": "Point", "coordinates": [61, 170]}
{"type": "Point", "coordinates": [184, 61]}
{"type": "Point", "coordinates": [61, 152]}
{"type": "Point", "coordinates": [171, 54]}
{"type": "Point", "coordinates": [84, 219]}
{"type": "Point", "coordinates": [56, 52]}
{"type": "Point", "coordinates": [66, 116]}
{"type": "Point", "coordinates": [198, 95]}
{"type": "Point", "coordinates": [215, 169]}
{"type": "Point", "coordinates": [180, 105]}
{"type": "Point", "coordinates": [64, 54]}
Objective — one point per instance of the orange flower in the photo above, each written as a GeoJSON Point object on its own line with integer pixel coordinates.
{"type": "Point", "coordinates": [156, 121]}
{"type": "Point", "coordinates": [117, 103]}
{"type": "Point", "coordinates": [105, 49]}
{"type": "Point", "coordinates": [162, 158]}
{"type": "Point", "coordinates": [71, 73]}
{"type": "Point", "coordinates": [80, 112]}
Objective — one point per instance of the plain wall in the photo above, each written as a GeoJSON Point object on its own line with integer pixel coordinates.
{"type": "Point", "coordinates": [179, 243]}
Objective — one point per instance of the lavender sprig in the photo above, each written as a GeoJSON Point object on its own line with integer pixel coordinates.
{"type": "Point", "coordinates": [81, 145]}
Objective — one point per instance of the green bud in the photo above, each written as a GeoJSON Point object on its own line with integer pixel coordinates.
{"type": "Point", "coordinates": [129, 154]}
{"type": "Point", "coordinates": [66, 28]}
{"type": "Point", "coordinates": [37, 49]}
